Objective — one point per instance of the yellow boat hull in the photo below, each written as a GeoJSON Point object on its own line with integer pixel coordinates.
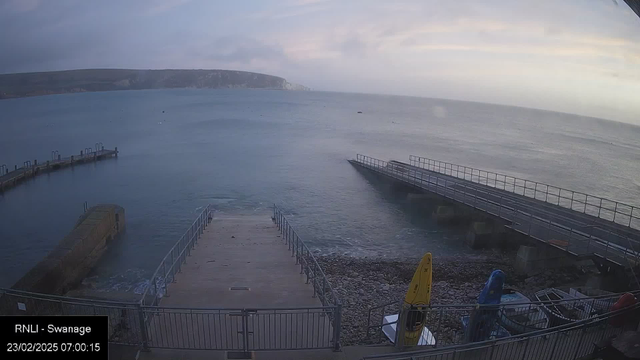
{"type": "Point", "coordinates": [417, 300]}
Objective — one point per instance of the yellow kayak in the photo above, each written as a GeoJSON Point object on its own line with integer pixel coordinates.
{"type": "Point", "coordinates": [417, 299]}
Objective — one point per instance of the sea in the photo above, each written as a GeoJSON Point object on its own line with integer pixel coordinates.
{"type": "Point", "coordinates": [244, 150]}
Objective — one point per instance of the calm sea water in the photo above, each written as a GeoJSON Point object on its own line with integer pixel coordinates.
{"type": "Point", "coordinates": [243, 150]}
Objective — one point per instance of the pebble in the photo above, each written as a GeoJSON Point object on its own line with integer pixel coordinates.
{"type": "Point", "coordinates": [363, 283]}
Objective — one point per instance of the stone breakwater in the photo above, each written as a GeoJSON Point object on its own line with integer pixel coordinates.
{"type": "Point", "coordinates": [362, 283]}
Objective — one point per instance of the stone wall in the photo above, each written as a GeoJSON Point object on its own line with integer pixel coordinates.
{"type": "Point", "coordinates": [77, 253]}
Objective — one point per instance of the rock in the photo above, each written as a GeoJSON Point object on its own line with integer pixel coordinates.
{"type": "Point", "coordinates": [363, 283]}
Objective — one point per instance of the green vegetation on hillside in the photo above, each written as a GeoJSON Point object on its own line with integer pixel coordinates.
{"type": "Point", "coordinates": [60, 82]}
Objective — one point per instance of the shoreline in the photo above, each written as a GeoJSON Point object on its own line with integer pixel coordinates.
{"type": "Point", "coordinates": [364, 283]}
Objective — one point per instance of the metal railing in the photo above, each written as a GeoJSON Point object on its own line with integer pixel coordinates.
{"type": "Point", "coordinates": [312, 270]}
{"type": "Point", "coordinates": [131, 323]}
{"type": "Point", "coordinates": [571, 341]}
{"type": "Point", "coordinates": [308, 264]}
{"type": "Point", "coordinates": [28, 168]}
{"type": "Point", "coordinates": [242, 330]}
{"type": "Point", "coordinates": [611, 210]}
{"type": "Point", "coordinates": [560, 230]}
{"type": "Point", "coordinates": [456, 324]}
{"type": "Point", "coordinates": [125, 319]}
{"type": "Point", "coordinates": [172, 262]}
{"type": "Point", "coordinates": [148, 325]}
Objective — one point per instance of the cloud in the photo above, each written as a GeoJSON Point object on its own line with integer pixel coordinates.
{"type": "Point", "coordinates": [294, 8]}
{"type": "Point", "coordinates": [19, 6]}
{"type": "Point", "coordinates": [240, 49]}
{"type": "Point", "coordinates": [401, 46]}
{"type": "Point", "coordinates": [480, 36]}
{"type": "Point", "coordinates": [549, 50]}
{"type": "Point", "coordinates": [161, 6]}
{"type": "Point", "coordinates": [306, 2]}
{"type": "Point", "coordinates": [354, 46]}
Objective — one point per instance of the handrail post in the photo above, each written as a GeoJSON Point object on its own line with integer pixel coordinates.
{"type": "Point", "coordinates": [553, 350]}
{"type": "Point", "coordinates": [245, 331]}
{"type": "Point", "coordinates": [155, 286]}
{"type": "Point", "coordinates": [173, 277]}
{"type": "Point", "coordinates": [572, 194]}
{"type": "Point", "coordinates": [293, 245]}
{"type": "Point", "coordinates": [437, 332]}
{"type": "Point", "coordinates": [400, 328]}
{"type": "Point", "coordinates": [164, 281]}
{"type": "Point", "coordinates": [300, 257]}
{"type": "Point", "coordinates": [584, 330]}
{"type": "Point", "coordinates": [315, 279]}
{"type": "Point", "coordinates": [143, 329]}
{"type": "Point", "coordinates": [337, 324]}
{"type": "Point", "coordinates": [493, 347]}
{"type": "Point", "coordinates": [324, 287]}
{"type": "Point", "coordinates": [600, 208]}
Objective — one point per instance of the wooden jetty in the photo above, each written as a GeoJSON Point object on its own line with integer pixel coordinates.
{"type": "Point", "coordinates": [30, 169]}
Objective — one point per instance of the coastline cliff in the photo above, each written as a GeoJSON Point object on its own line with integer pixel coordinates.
{"type": "Point", "coordinates": [88, 80]}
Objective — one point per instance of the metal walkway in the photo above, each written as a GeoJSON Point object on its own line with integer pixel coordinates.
{"type": "Point", "coordinates": [250, 284]}
{"type": "Point", "coordinates": [581, 225]}
{"type": "Point", "coordinates": [31, 169]}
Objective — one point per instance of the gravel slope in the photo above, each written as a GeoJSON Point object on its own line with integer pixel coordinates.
{"type": "Point", "coordinates": [362, 283]}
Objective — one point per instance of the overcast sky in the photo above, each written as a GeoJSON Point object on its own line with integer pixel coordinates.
{"type": "Point", "coordinates": [580, 56]}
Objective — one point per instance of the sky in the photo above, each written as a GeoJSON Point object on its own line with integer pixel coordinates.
{"type": "Point", "coordinates": [574, 56]}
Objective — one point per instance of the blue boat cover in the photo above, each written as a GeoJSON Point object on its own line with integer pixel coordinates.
{"type": "Point", "coordinates": [492, 291]}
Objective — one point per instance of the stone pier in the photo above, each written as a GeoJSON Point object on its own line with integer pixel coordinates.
{"type": "Point", "coordinates": [532, 259]}
{"type": "Point", "coordinates": [77, 253]}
